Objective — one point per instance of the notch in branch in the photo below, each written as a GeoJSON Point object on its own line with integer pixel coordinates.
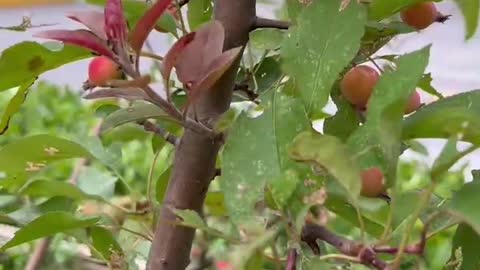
{"type": "Point", "coordinates": [270, 23]}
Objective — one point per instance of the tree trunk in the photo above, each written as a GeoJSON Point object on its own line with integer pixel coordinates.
{"type": "Point", "coordinates": [196, 155]}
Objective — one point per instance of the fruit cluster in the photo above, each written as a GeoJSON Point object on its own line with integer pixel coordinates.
{"type": "Point", "coordinates": [358, 83]}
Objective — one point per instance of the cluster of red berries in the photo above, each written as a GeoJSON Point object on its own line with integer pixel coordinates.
{"type": "Point", "coordinates": [357, 86]}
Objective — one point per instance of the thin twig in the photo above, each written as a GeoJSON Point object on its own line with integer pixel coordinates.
{"type": "Point", "coordinates": [151, 55]}
{"type": "Point", "coordinates": [180, 15]}
{"type": "Point", "coordinates": [183, 2]}
{"type": "Point", "coordinates": [270, 23]}
{"type": "Point", "coordinates": [424, 199]}
{"type": "Point", "coordinates": [38, 255]}
{"type": "Point", "coordinates": [292, 260]}
{"type": "Point", "coordinates": [157, 130]}
{"type": "Point", "coordinates": [361, 253]}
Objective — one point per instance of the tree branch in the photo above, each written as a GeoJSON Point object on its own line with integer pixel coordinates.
{"type": "Point", "coordinates": [366, 255]}
{"type": "Point", "coordinates": [196, 152]}
{"type": "Point", "coordinates": [157, 130]}
{"type": "Point", "coordinates": [270, 23]}
{"type": "Point", "coordinates": [291, 260]}
{"type": "Point", "coordinates": [38, 255]}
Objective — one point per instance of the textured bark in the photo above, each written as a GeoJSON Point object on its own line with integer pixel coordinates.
{"type": "Point", "coordinates": [196, 155]}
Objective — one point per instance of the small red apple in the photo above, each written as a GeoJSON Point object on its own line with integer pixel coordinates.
{"type": "Point", "coordinates": [223, 265]}
{"type": "Point", "coordinates": [422, 15]}
{"type": "Point", "coordinates": [413, 103]}
{"type": "Point", "coordinates": [373, 183]}
{"type": "Point", "coordinates": [102, 69]}
{"type": "Point", "coordinates": [357, 85]}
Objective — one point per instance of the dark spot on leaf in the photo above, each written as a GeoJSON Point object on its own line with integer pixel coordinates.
{"type": "Point", "coordinates": [35, 64]}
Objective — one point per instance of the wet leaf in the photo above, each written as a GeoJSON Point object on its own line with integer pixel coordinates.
{"type": "Point", "coordinates": [470, 10]}
{"type": "Point", "coordinates": [115, 22]}
{"type": "Point", "coordinates": [146, 24]}
{"type": "Point", "coordinates": [137, 112]}
{"type": "Point", "coordinates": [31, 59]}
{"type": "Point", "coordinates": [171, 57]}
{"type": "Point", "coordinates": [196, 58]}
{"type": "Point", "coordinates": [450, 116]}
{"type": "Point", "coordinates": [93, 20]}
{"type": "Point", "coordinates": [314, 60]}
{"type": "Point", "coordinates": [199, 12]}
{"type": "Point", "coordinates": [330, 153]}
{"type": "Point", "coordinates": [14, 105]}
{"type": "Point", "coordinates": [80, 38]}
{"type": "Point", "coordinates": [47, 225]}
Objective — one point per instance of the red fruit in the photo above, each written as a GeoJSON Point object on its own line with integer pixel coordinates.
{"type": "Point", "coordinates": [357, 85]}
{"type": "Point", "coordinates": [102, 69]}
{"type": "Point", "coordinates": [222, 265]}
{"type": "Point", "coordinates": [421, 15]}
{"type": "Point", "coordinates": [373, 183]}
{"type": "Point", "coordinates": [413, 103]}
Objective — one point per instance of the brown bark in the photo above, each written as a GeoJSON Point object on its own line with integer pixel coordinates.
{"type": "Point", "coordinates": [196, 154]}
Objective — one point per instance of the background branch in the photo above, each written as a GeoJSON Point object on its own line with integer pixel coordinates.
{"type": "Point", "coordinates": [366, 255]}
{"type": "Point", "coordinates": [270, 23]}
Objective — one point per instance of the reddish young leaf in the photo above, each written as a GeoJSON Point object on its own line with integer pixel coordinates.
{"type": "Point", "coordinates": [115, 22]}
{"type": "Point", "coordinates": [146, 23]}
{"type": "Point", "coordinates": [194, 60]}
{"type": "Point", "coordinates": [215, 70]}
{"type": "Point", "coordinates": [80, 38]}
{"type": "Point", "coordinates": [171, 57]}
{"type": "Point", "coordinates": [93, 20]}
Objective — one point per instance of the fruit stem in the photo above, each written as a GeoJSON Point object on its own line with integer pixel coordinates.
{"type": "Point", "coordinates": [442, 18]}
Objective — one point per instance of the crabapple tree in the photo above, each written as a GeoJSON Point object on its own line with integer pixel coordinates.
{"type": "Point", "coordinates": [222, 155]}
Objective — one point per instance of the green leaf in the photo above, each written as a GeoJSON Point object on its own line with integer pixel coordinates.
{"type": "Point", "coordinates": [464, 205]}
{"type": "Point", "coordinates": [267, 39]}
{"type": "Point", "coordinates": [283, 188]}
{"type": "Point", "coordinates": [458, 114]}
{"type": "Point", "coordinates": [50, 188]}
{"type": "Point", "coordinates": [199, 12]}
{"type": "Point", "coordinates": [137, 112]}
{"type": "Point", "coordinates": [345, 121]}
{"type": "Point", "coordinates": [426, 85]}
{"type": "Point", "coordinates": [26, 156]}
{"type": "Point", "coordinates": [14, 105]}
{"type": "Point", "coordinates": [447, 158]}
{"type": "Point", "coordinates": [97, 183]}
{"type": "Point", "coordinates": [27, 214]}
{"type": "Point", "coordinates": [330, 153]}
{"type": "Point", "coordinates": [215, 203]}
{"type": "Point", "coordinates": [47, 225]}
{"type": "Point", "coordinates": [258, 148]}
{"type": "Point", "coordinates": [294, 9]}
{"type": "Point", "coordinates": [470, 10]}
{"type": "Point", "coordinates": [162, 184]}
{"type": "Point", "coordinates": [381, 9]}
{"type": "Point", "coordinates": [104, 242]}
{"type": "Point", "coordinates": [191, 219]}
{"type": "Point", "coordinates": [377, 143]}
{"type": "Point", "coordinates": [469, 242]}
{"type": "Point", "coordinates": [24, 61]}
{"type": "Point", "coordinates": [315, 60]}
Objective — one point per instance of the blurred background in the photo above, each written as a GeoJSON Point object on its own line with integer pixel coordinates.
{"type": "Point", "coordinates": [454, 62]}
